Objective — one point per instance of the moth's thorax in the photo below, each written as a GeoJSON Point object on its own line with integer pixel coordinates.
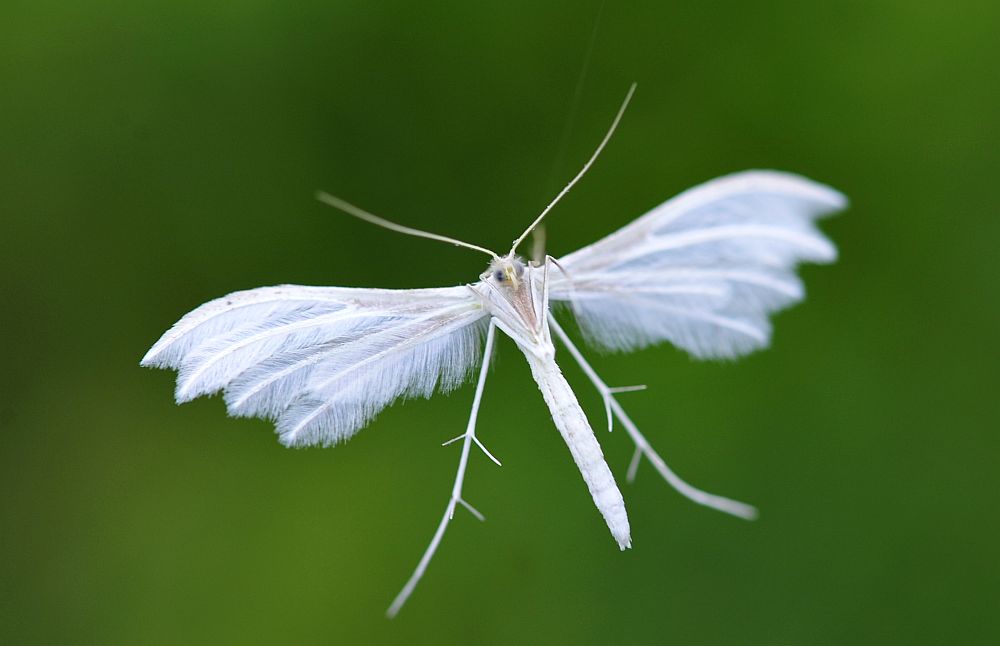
{"type": "Point", "coordinates": [514, 292]}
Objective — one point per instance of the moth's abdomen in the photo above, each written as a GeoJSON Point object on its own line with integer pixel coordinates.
{"type": "Point", "coordinates": [586, 452]}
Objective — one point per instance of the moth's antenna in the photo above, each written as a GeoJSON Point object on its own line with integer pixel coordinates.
{"type": "Point", "coordinates": [586, 167]}
{"type": "Point", "coordinates": [361, 214]}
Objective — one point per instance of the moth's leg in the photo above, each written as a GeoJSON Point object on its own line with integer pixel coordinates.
{"type": "Point", "coordinates": [545, 284]}
{"type": "Point", "coordinates": [543, 329]}
{"type": "Point", "coordinates": [642, 446]}
{"type": "Point", "coordinates": [456, 491]}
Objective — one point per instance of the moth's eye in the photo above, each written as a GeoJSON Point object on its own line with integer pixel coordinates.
{"type": "Point", "coordinates": [498, 275]}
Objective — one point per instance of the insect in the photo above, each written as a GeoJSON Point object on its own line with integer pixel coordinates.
{"type": "Point", "coordinates": [702, 271]}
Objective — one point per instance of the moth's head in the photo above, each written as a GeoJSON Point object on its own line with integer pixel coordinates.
{"type": "Point", "coordinates": [505, 272]}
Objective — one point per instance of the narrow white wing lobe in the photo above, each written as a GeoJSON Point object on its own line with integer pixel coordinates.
{"type": "Point", "coordinates": [323, 361]}
{"type": "Point", "coordinates": [703, 270]}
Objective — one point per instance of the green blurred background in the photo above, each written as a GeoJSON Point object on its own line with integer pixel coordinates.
{"type": "Point", "coordinates": [155, 155]}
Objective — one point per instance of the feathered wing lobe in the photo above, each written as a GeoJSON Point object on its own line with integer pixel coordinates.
{"type": "Point", "coordinates": [322, 361]}
{"type": "Point", "coordinates": [704, 269]}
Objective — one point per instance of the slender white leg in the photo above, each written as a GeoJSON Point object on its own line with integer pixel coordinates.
{"type": "Point", "coordinates": [456, 490]}
{"type": "Point", "coordinates": [642, 446]}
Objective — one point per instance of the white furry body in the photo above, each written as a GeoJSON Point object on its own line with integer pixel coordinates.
{"type": "Point", "coordinates": [575, 430]}
{"type": "Point", "coordinates": [517, 297]}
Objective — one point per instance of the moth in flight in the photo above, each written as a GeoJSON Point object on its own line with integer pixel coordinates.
{"type": "Point", "coordinates": [702, 271]}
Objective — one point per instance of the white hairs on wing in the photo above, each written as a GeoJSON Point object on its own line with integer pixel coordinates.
{"type": "Point", "coordinates": [349, 388]}
{"type": "Point", "coordinates": [323, 361]}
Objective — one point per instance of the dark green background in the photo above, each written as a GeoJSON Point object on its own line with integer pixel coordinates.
{"type": "Point", "coordinates": [157, 155]}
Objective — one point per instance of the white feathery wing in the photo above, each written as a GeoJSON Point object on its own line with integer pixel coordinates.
{"type": "Point", "coordinates": [702, 270]}
{"type": "Point", "coordinates": [322, 361]}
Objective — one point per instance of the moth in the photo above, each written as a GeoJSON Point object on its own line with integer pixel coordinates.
{"type": "Point", "coordinates": [702, 271]}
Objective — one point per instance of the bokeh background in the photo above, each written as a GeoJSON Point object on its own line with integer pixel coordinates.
{"type": "Point", "coordinates": [155, 155]}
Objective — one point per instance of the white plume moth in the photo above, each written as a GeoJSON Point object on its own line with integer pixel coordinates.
{"type": "Point", "coordinates": [702, 271]}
